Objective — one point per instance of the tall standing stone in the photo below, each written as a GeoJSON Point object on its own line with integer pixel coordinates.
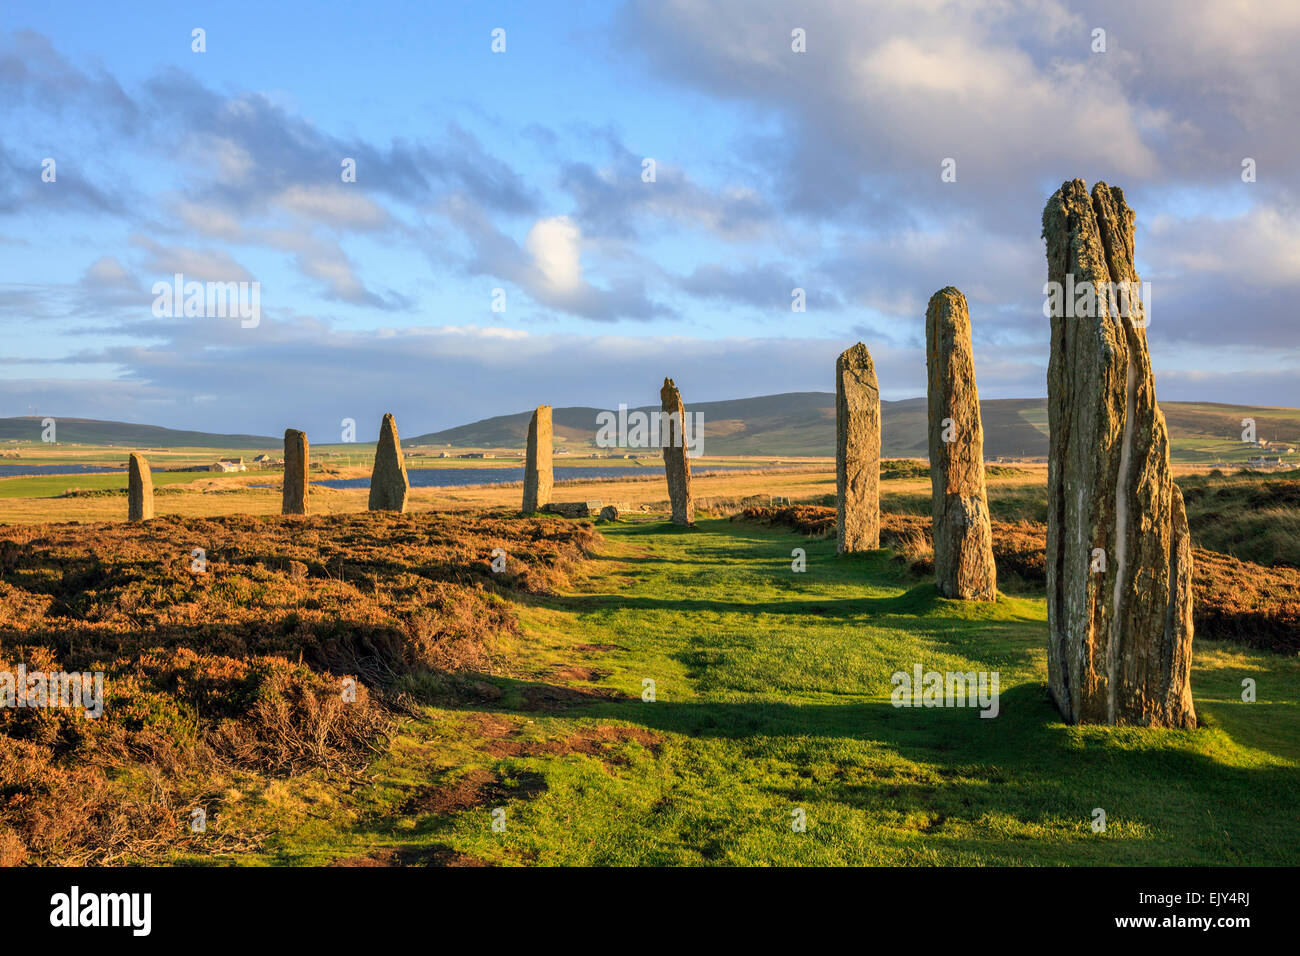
{"type": "Point", "coordinates": [139, 489]}
{"type": "Point", "coordinates": [857, 451]}
{"type": "Point", "coordinates": [389, 485]}
{"type": "Point", "coordinates": [676, 463]}
{"type": "Point", "coordinates": [1119, 567]}
{"type": "Point", "coordinates": [294, 496]}
{"type": "Point", "coordinates": [538, 476]}
{"type": "Point", "coordinates": [963, 537]}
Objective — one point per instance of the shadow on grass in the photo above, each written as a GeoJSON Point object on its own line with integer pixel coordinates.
{"type": "Point", "coordinates": [920, 601]}
{"type": "Point", "coordinates": [1020, 777]}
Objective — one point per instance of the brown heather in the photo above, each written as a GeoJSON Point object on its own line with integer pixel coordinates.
{"type": "Point", "coordinates": [238, 668]}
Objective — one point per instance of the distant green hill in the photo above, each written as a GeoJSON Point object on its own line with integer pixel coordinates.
{"type": "Point", "coordinates": [792, 424]}
{"type": "Point", "coordinates": [795, 423]}
{"type": "Point", "coordinates": [88, 431]}
{"type": "Point", "coordinates": [803, 423]}
{"type": "Point", "coordinates": [788, 425]}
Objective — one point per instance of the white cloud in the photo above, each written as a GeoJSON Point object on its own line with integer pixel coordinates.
{"type": "Point", "coordinates": [337, 205]}
{"type": "Point", "coordinates": [1261, 246]}
{"type": "Point", "coordinates": [203, 265]}
{"type": "Point", "coordinates": [554, 245]}
{"type": "Point", "coordinates": [107, 272]}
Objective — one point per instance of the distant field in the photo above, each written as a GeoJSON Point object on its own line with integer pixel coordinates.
{"type": "Point", "coordinates": [49, 486]}
{"type": "Point", "coordinates": [207, 495]}
{"type": "Point", "coordinates": [86, 454]}
{"type": "Point", "coordinates": [352, 455]}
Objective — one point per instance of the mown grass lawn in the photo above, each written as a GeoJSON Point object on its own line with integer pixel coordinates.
{"type": "Point", "coordinates": [773, 696]}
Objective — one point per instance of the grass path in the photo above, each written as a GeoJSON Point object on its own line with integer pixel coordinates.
{"type": "Point", "coordinates": [773, 696]}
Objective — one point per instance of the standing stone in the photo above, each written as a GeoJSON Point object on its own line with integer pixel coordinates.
{"type": "Point", "coordinates": [538, 476]}
{"type": "Point", "coordinates": [676, 464]}
{"type": "Point", "coordinates": [857, 452]}
{"type": "Point", "coordinates": [139, 489]}
{"type": "Point", "coordinates": [294, 497]}
{"type": "Point", "coordinates": [389, 485]}
{"type": "Point", "coordinates": [1119, 567]}
{"type": "Point", "coordinates": [963, 537]}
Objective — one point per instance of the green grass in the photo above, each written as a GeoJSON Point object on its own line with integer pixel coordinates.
{"type": "Point", "coordinates": [1227, 451]}
{"type": "Point", "coordinates": [773, 694]}
{"type": "Point", "coordinates": [51, 486]}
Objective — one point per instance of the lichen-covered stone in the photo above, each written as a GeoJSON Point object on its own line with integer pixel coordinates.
{"type": "Point", "coordinates": [139, 489]}
{"type": "Point", "coordinates": [389, 485]}
{"type": "Point", "coordinates": [1118, 552]}
{"type": "Point", "coordinates": [676, 463]}
{"type": "Point", "coordinates": [609, 513]}
{"type": "Point", "coordinates": [857, 451]}
{"type": "Point", "coordinates": [963, 537]}
{"type": "Point", "coordinates": [538, 474]}
{"type": "Point", "coordinates": [572, 509]}
{"type": "Point", "coordinates": [293, 498]}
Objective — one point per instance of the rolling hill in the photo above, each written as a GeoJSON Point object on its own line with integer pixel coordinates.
{"type": "Point", "coordinates": [90, 431]}
{"type": "Point", "coordinates": [794, 424]}
{"type": "Point", "coordinates": [803, 423]}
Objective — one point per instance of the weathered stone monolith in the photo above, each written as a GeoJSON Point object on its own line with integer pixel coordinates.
{"type": "Point", "coordinates": [293, 500]}
{"type": "Point", "coordinates": [963, 537]}
{"type": "Point", "coordinates": [139, 489]}
{"type": "Point", "coordinates": [676, 463]}
{"type": "Point", "coordinates": [857, 452]}
{"type": "Point", "coordinates": [538, 476]}
{"type": "Point", "coordinates": [1119, 567]}
{"type": "Point", "coordinates": [389, 485]}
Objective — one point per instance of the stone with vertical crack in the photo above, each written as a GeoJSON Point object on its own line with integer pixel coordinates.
{"type": "Point", "coordinates": [963, 537]}
{"type": "Point", "coordinates": [389, 486]}
{"type": "Point", "coordinates": [676, 463]}
{"type": "Point", "coordinates": [538, 474]}
{"type": "Point", "coordinates": [293, 497]}
{"type": "Point", "coordinates": [1119, 564]}
{"type": "Point", "coordinates": [857, 452]}
{"type": "Point", "coordinates": [139, 489]}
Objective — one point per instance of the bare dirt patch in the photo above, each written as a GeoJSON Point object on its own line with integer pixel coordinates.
{"type": "Point", "coordinates": [554, 697]}
{"type": "Point", "coordinates": [475, 788]}
{"type": "Point", "coordinates": [438, 855]}
{"type": "Point", "coordinates": [580, 672]}
{"type": "Point", "coordinates": [602, 741]}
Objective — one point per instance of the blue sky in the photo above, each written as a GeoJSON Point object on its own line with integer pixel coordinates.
{"type": "Point", "coordinates": [522, 171]}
